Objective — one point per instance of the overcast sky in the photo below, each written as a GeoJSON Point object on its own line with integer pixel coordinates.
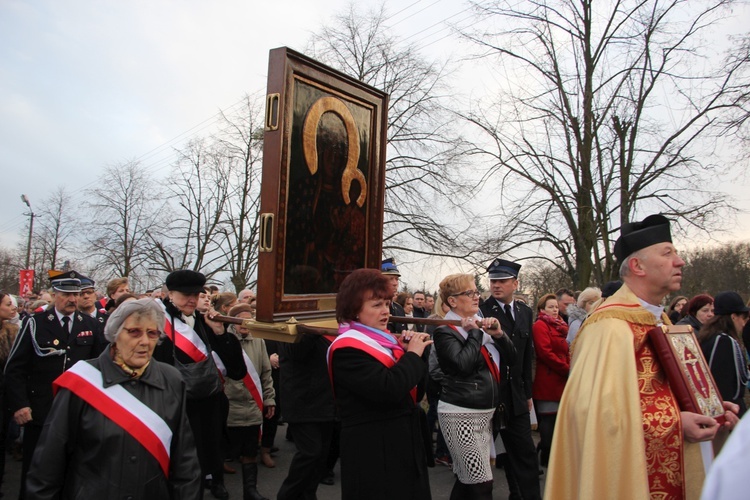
{"type": "Point", "coordinates": [85, 84]}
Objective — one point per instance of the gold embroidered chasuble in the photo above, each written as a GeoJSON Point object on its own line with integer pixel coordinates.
{"type": "Point", "coordinates": [618, 433]}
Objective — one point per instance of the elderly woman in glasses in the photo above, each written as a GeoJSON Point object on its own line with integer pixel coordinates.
{"type": "Point", "coordinates": [117, 428]}
{"type": "Point", "coordinates": [469, 356]}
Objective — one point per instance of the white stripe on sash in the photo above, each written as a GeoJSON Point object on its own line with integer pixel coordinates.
{"type": "Point", "coordinates": [123, 408]}
{"type": "Point", "coordinates": [184, 337]}
{"type": "Point", "coordinates": [219, 364]}
{"type": "Point", "coordinates": [354, 334]}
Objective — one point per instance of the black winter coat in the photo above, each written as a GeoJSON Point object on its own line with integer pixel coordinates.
{"type": "Point", "coordinates": [84, 455]}
{"type": "Point", "coordinates": [396, 310]}
{"type": "Point", "coordinates": [691, 321]}
{"type": "Point", "coordinates": [467, 380]}
{"type": "Point", "coordinates": [726, 368]}
{"type": "Point", "coordinates": [305, 382]}
{"type": "Point", "coordinates": [382, 453]}
{"type": "Point", "coordinates": [227, 346]}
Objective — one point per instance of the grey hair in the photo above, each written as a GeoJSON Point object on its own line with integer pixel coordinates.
{"type": "Point", "coordinates": [146, 308]}
{"type": "Point", "coordinates": [624, 268]}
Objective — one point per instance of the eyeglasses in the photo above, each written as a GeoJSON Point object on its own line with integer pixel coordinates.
{"type": "Point", "coordinates": [137, 333]}
{"type": "Point", "coordinates": [472, 294]}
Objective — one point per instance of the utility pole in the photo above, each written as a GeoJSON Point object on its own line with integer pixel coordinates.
{"type": "Point", "coordinates": [31, 215]}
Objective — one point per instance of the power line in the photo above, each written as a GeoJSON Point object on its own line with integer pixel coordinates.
{"type": "Point", "coordinates": [161, 156]}
{"type": "Point", "coordinates": [12, 223]}
{"type": "Point", "coordinates": [157, 162]}
{"type": "Point", "coordinates": [446, 27]}
{"type": "Point", "coordinates": [415, 13]}
{"type": "Point", "coordinates": [402, 10]}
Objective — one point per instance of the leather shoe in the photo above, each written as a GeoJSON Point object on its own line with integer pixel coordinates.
{"type": "Point", "coordinates": [219, 491]}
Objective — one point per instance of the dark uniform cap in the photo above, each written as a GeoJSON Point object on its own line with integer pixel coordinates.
{"type": "Point", "coordinates": [636, 236]}
{"type": "Point", "coordinates": [610, 288]}
{"type": "Point", "coordinates": [65, 282]}
{"type": "Point", "coordinates": [186, 281]}
{"type": "Point", "coordinates": [502, 269]}
{"type": "Point", "coordinates": [86, 282]}
{"type": "Point", "coordinates": [728, 303]}
{"type": "Point", "coordinates": [388, 266]}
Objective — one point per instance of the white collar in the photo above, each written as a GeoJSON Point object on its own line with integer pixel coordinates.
{"type": "Point", "coordinates": [452, 315]}
{"type": "Point", "coordinates": [502, 304]}
{"type": "Point", "coordinates": [92, 314]}
{"type": "Point", "coordinates": [60, 316]}
{"type": "Point", "coordinates": [655, 310]}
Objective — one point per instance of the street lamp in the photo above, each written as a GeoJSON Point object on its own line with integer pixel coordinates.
{"type": "Point", "coordinates": [31, 215]}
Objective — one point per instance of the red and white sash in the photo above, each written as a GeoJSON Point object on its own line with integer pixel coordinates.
{"type": "Point", "coordinates": [184, 337]}
{"type": "Point", "coordinates": [219, 365]}
{"type": "Point", "coordinates": [121, 407]}
{"type": "Point", "coordinates": [252, 381]}
{"type": "Point", "coordinates": [251, 378]}
{"type": "Point", "coordinates": [490, 361]}
{"type": "Point", "coordinates": [358, 340]}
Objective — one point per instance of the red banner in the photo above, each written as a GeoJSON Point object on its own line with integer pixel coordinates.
{"type": "Point", "coordinates": [25, 282]}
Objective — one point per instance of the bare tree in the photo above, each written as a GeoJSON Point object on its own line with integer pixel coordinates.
{"type": "Point", "coordinates": [122, 212]}
{"type": "Point", "coordinates": [240, 142]}
{"type": "Point", "coordinates": [540, 277]}
{"type": "Point", "coordinates": [214, 194]}
{"type": "Point", "coordinates": [717, 269]}
{"type": "Point", "coordinates": [52, 244]}
{"type": "Point", "coordinates": [424, 188]}
{"type": "Point", "coordinates": [55, 225]}
{"type": "Point", "coordinates": [198, 189]}
{"type": "Point", "coordinates": [738, 62]}
{"type": "Point", "coordinates": [607, 112]}
{"type": "Point", "coordinates": [10, 266]}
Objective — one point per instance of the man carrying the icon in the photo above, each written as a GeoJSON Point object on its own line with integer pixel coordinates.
{"type": "Point", "coordinates": [622, 434]}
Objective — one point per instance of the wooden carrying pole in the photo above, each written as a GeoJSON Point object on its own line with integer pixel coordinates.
{"type": "Point", "coordinates": [317, 330]}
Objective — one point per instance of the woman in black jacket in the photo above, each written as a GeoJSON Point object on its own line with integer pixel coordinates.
{"type": "Point", "coordinates": [470, 360]}
{"type": "Point", "coordinates": [197, 337]}
{"type": "Point", "coordinates": [377, 381]}
{"type": "Point", "coordinates": [720, 344]}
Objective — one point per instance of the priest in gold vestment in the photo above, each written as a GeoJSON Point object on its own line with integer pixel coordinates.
{"type": "Point", "coordinates": [620, 433]}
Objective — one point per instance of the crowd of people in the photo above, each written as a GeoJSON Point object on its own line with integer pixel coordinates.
{"type": "Point", "coordinates": [149, 396]}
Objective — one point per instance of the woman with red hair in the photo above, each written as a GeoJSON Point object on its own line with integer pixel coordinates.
{"type": "Point", "coordinates": [377, 381]}
{"type": "Point", "coordinates": [700, 310]}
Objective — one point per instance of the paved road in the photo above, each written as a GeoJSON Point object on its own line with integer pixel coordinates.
{"type": "Point", "coordinates": [269, 480]}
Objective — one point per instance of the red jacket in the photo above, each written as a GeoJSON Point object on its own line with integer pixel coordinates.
{"type": "Point", "coordinates": [552, 360]}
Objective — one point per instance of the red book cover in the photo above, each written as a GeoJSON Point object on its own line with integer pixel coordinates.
{"type": "Point", "coordinates": [687, 370]}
